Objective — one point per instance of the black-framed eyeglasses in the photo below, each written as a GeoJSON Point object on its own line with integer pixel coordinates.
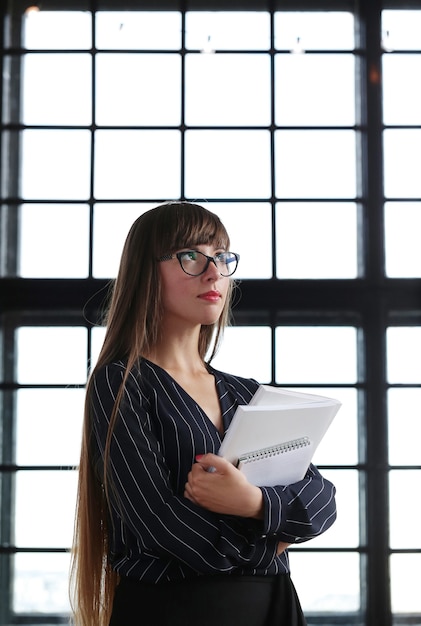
{"type": "Point", "coordinates": [195, 263]}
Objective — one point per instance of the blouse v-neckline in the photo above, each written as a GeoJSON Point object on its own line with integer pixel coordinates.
{"type": "Point", "coordinates": [220, 390]}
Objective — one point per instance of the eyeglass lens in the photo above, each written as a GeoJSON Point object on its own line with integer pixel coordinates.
{"type": "Point", "coordinates": [194, 262]}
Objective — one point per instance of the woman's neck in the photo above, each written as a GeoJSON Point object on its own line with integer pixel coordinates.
{"type": "Point", "coordinates": [177, 356]}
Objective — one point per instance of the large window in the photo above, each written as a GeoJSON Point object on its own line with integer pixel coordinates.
{"type": "Point", "coordinates": [301, 129]}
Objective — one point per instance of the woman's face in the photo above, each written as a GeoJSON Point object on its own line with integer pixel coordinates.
{"type": "Point", "coordinates": [193, 300]}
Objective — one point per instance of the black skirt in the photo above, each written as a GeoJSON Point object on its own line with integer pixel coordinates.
{"type": "Point", "coordinates": [208, 601]}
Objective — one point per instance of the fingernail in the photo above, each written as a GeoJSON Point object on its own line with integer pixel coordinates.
{"type": "Point", "coordinates": [198, 456]}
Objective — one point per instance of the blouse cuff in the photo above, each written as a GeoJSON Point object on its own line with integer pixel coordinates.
{"type": "Point", "coordinates": [272, 507]}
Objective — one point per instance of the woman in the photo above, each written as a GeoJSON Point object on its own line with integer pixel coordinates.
{"type": "Point", "coordinates": [159, 539]}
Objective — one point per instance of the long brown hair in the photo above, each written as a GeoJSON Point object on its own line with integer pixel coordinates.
{"type": "Point", "coordinates": [133, 327]}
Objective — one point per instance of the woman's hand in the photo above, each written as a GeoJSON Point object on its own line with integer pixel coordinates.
{"type": "Point", "coordinates": [282, 546]}
{"type": "Point", "coordinates": [215, 484]}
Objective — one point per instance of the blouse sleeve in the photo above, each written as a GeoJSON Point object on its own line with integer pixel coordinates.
{"type": "Point", "coordinates": [163, 522]}
{"type": "Point", "coordinates": [301, 511]}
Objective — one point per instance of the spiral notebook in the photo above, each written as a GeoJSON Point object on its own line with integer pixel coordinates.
{"type": "Point", "coordinates": [273, 439]}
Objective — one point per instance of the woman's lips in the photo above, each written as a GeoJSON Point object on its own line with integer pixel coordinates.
{"type": "Point", "coordinates": [210, 296]}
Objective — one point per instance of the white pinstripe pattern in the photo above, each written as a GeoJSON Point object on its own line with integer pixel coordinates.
{"type": "Point", "coordinates": [157, 533]}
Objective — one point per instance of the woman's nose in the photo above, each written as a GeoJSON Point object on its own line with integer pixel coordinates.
{"type": "Point", "coordinates": [212, 271]}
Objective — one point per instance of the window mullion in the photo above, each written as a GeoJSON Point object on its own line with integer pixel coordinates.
{"type": "Point", "coordinates": [7, 476]}
{"type": "Point", "coordinates": [376, 564]}
{"type": "Point", "coordinates": [10, 147]}
{"type": "Point", "coordinates": [372, 142]}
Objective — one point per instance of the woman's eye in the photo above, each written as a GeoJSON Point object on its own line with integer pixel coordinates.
{"type": "Point", "coordinates": [191, 255]}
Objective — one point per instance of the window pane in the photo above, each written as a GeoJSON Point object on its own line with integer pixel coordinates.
{"type": "Point", "coordinates": [56, 164]}
{"type": "Point", "coordinates": [227, 89]}
{"type": "Point", "coordinates": [403, 354]}
{"type": "Point", "coordinates": [249, 226]}
{"type": "Point", "coordinates": [59, 413]}
{"type": "Point", "coordinates": [404, 416]}
{"type": "Point", "coordinates": [402, 153]}
{"type": "Point", "coordinates": [41, 583]}
{"type": "Point", "coordinates": [303, 78]}
{"type": "Point", "coordinates": [245, 351]}
{"type": "Point", "coordinates": [51, 355]}
{"type": "Point", "coordinates": [227, 30]}
{"type": "Point", "coordinates": [345, 531]}
{"type": "Point", "coordinates": [54, 241]}
{"type": "Point", "coordinates": [316, 240]}
{"type": "Point", "coordinates": [112, 223]}
{"type": "Point", "coordinates": [137, 164]}
{"type": "Point", "coordinates": [57, 89]}
{"type": "Point", "coordinates": [405, 506]}
{"type": "Point", "coordinates": [319, 164]}
{"type": "Point", "coordinates": [56, 30]}
{"type": "Point", "coordinates": [402, 29]}
{"type": "Point", "coordinates": [137, 30]}
{"type": "Point", "coordinates": [315, 30]}
{"type": "Point", "coordinates": [98, 335]}
{"type": "Point", "coordinates": [327, 592]}
{"type": "Point", "coordinates": [401, 93]}
{"type": "Point", "coordinates": [402, 229]}
{"type": "Point", "coordinates": [227, 164]}
{"type": "Point", "coordinates": [123, 101]}
{"type": "Point", "coordinates": [45, 505]}
{"type": "Point", "coordinates": [405, 583]}
{"type": "Point", "coordinates": [316, 354]}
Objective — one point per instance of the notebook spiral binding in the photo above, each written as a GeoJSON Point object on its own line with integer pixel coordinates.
{"type": "Point", "coordinates": [281, 448]}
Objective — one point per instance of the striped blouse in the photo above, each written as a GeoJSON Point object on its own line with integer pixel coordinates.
{"type": "Point", "coordinates": [158, 534]}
